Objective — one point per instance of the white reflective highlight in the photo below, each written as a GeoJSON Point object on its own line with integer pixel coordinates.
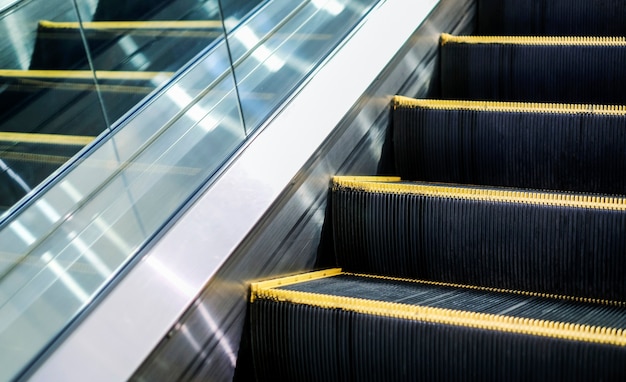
{"type": "Point", "coordinates": [67, 280]}
{"type": "Point", "coordinates": [331, 6]}
{"type": "Point", "coordinates": [13, 175]}
{"type": "Point", "coordinates": [260, 53]}
{"type": "Point", "coordinates": [219, 334]}
{"type": "Point", "coordinates": [130, 48]}
{"type": "Point", "coordinates": [173, 279]}
{"type": "Point", "coordinates": [90, 256]}
{"type": "Point", "coordinates": [71, 191]}
{"type": "Point", "coordinates": [22, 232]}
{"type": "Point", "coordinates": [22, 52]}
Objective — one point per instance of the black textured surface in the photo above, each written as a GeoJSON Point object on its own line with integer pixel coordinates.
{"type": "Point", "coordinates": [303, 343]}
{"type": "Point", "coordinates": [466, 299]}
{"type": "Point", "coordinates": [538, 73]}
{"type": "Point", "coordinates": [560, 151]}
{"type": "Point", "coordinates": [552, 17]}
{"type": "Point", "coordinates": [560, 250]}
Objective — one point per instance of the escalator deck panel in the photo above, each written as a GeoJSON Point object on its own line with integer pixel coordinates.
{"type": "Point", "coordinates": [547, 242]}
{"type": "Point", "coordinates": [532, 145]}
{"type": "Point", "coordinates": [534, 69]}
{"type": "Point", "coordinates": [346, 325]}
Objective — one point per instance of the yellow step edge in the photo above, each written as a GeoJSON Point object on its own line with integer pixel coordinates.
{"type": "Point", "coordinates": [513, 107]}
{"type": "Point", "coordinates": [36, 84]}
{"type": "Point", "coordinates": [97, 165]}
{"type": "Point", "coordinates": [534, 40]}
{"type": "Point", "coordinates": [82, 74]}
{"type": "Point", "coordinates": [157, 24]}
{"type": "Point", "coordinates": [48, 139]}
{"type": "Point", "coordinates": [536, 327]}
{"type": "Point", "coordinates": [44, 159]}
{"type": "Point", "coordinates": [294, 279]}
{"type": "Point", "coordinates": [485, 194]}
{"type": "Point", "coordinates": [347, 178]}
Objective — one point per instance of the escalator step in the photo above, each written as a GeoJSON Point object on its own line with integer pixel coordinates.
{"type": "Point", "coordinates": [26, 160]}
{"type": "Point", "coordinates": [127, 10]}
{"type": "Point", "coordinates": [534, 69]}
{"type": "Point", "coordinates": [546, 242]}
{"type": "Point", "coordinates": [552, 17]}
{"type": "Point", "coordinates": [334, 326]}
{"type": "Point", "coordinates": [59, 45]}
{"type": "Point", "coordinates": [544, 146]}
{"type": "Point", "coordinates": [65, 100]}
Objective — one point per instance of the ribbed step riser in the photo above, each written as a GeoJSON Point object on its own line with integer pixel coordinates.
{"type": "Point", "coordinates": [551, 17]}
{"type": "Point", "coordinates": [362, 328]}
{"type": "Point", "coordinates": [56, 98]}
{"type": "Point", "coordinates": [301, 343]}
{"type": "Point", "coordinates": [534, 73]}
{"type": "Point", "coordinates": [63, 48]}
{"type": "Point", "coordinates": [512, 245]}
{"type": "Point", "coordinates": [580, 151]}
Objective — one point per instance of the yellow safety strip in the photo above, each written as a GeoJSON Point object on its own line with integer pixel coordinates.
{"type": "Point", "coordinates": [536, 327]}
{"type": "Point", "coordinates": [82, 74]}
{"type": "Point", "coordinates": [35, 85]}
{"type": "Point", "coordinates": [48, 139]}
{"type": "Point", "coordinates": [295, 279]}
{"type": "Point", "coordinates": [534, 40]}
{"type": "Point", "coordinates": [158, 24]}
{"type": "Point", "coordinates": [368, 178]}
{"type": "Point", "coordinates": [8, 153]}
{"type": "Point", "coordinates": [34, 158]}
{"type": "Point", "coordinates": [485, 194]}
{"type": "Point", "coordinates": [513, 107]}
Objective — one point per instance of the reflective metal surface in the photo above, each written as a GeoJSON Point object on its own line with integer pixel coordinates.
{"type": "Point", "coordinates": [262, 216]}
{"type": "Point", "coordinates": [65, 243]}
{"type": "Point", "coordinates": [288, 237]}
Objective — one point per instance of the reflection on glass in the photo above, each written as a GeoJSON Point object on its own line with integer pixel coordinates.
{"type": "Point", "coordinates": [43, 113]}
{"type": "Point", "coordinates": [271, 60]}
{"type": "Point", "coordinates": [65, 246]}
{"type": "Point", "coordinates": [51, 85]}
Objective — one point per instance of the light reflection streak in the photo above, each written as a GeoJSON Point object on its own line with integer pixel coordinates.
{"type": "Point", "coordinates": [260, 52]}
{"type": "Point", "coordinates": [222, 339]}
{"type": "Point", "coordinates": [130, 48]}
{"type": "Point", "coordinates": [13, 175]}
{"type": "Point", "coordinates": [67, 280]}
{"type": "Point", "coordinates": [20, 49]}
{"type": "Point", "coordinates": [332, 6]}
{"type": "Point", "coordinates": [199, 114]}
{"type": "Point", "coordinates": [90, 255]}
{"type": "Point", "coordinates": [22, 232]}
{"type": "Point", "coordinates": [175, 280]}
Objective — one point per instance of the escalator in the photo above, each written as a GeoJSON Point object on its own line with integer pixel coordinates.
{"type": "Point", "coordinates": [499, 245]}
{"type": "Point", "coordinates": [497, 254]}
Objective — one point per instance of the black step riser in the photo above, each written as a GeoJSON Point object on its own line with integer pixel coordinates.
{"type": "Point", "coordinates": [561, 250]}
{"type": "Point", "coordinates": [534, 73]}
{"type": "Point", "coordinates": [294, 342]}
{"type": "Point", "coordinates": [575, 152]}
{"type": "Point", "coordinates": [551, 17]}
